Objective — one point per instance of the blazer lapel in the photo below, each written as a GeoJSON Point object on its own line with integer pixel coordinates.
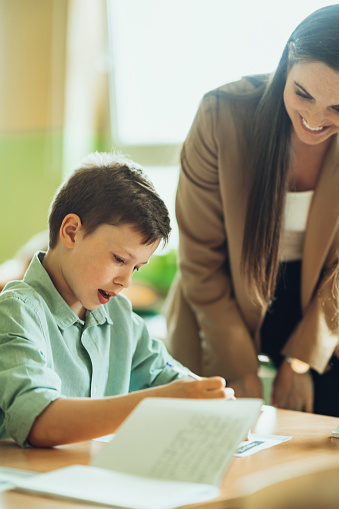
{"type": "Point", "coordinates": [322, 223]}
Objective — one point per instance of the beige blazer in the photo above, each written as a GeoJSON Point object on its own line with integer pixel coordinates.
{"type": "Point", "coordinates": [213, 325]}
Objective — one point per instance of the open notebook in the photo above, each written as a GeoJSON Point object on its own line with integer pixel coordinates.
{"type": "Point", "coordinates": [168, 453]}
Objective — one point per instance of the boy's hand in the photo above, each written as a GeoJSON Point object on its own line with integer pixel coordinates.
{"type": "Point", "coordinates": [206, 388]}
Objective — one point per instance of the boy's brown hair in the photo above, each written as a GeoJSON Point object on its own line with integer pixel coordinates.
{"type": "Point", "coordinates": [108, 188]}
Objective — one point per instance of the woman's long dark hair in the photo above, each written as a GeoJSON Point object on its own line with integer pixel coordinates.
{"type": "Point", "coordinates": [316, 39]}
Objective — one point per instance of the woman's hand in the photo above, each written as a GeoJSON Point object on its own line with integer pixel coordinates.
{"type": "Point", "coordinates": [249, 386]}
{"type": "Point", "coordinates": [291, 390]}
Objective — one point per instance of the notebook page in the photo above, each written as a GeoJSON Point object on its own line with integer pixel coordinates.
{"type": "Point", "coordinates": [180, 440]}
{"type": "Point", "coordinates": [116, 489]}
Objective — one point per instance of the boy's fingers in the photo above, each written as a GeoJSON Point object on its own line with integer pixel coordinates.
{"type": "Point", "coordinates": [214, 382]}
{"type": "Point", "coordinates": [217, 383]}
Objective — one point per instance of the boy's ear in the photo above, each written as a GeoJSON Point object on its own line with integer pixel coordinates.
{"type": "Point", "coordinates": [70, 227]}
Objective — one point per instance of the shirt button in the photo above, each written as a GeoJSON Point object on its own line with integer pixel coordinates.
{"type": "Point", "coordinates": [85, 332]}
{"type": "Point", "coordinates": [94, 390]}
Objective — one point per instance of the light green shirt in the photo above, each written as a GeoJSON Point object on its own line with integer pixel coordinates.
{"type": "Point", "coordinates": [47, 352]}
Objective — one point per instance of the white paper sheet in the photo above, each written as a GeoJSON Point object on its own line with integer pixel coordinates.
{"type": "Point", "coordinates": [118, 489]}
{"type": "Point", "coordinates": [257, 443]}
{"type": "Point", "coordinates": [10, 476]}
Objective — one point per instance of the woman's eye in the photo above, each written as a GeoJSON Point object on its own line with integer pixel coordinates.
{"type": "Point", "coordinates": [302, 95]}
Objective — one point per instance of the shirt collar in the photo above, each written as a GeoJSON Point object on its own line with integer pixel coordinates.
{"type": "Point", "coordinates": [37, 277]}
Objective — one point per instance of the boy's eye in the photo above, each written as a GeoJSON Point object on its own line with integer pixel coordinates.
{"type": "Point", "coordinates": [118, 259]}
{"type": "Point", "coordinates": [136, 269]}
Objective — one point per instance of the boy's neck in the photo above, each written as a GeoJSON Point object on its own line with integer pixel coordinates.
{"type": "Point", "coordinates": [53, 264]}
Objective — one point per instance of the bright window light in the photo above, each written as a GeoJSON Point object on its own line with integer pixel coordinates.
{"type": "Point", "coordinates": [167, 54]}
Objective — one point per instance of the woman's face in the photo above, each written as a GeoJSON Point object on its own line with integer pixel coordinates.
{"type": "Point", "coordinates": [311, 98]}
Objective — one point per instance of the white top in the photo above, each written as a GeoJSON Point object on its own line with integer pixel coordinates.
{"type": "Point", "coordinates": [297, 206]}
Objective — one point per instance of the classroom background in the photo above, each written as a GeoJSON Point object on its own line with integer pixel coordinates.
{"type": "Point", "coordinates": [85, 75]}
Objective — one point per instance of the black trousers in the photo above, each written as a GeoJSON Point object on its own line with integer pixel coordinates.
{"type": "Point", "coordinates": [280, 321]}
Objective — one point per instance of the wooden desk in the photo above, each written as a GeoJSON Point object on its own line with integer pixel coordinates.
{"type": "Point", "coordinates": [310, 438]}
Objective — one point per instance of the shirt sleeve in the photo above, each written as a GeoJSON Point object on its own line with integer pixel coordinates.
{"type": "Point", "coordinates": [149, 367]}
{"type": "Point", "coordinates": [27, 383]}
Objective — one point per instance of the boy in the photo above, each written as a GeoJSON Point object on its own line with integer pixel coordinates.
{"type": "Point", "coordinates": [74, 359]}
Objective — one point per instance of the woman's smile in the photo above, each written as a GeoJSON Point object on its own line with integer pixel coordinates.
{"type": "Point", "coordinates": [313, 130]}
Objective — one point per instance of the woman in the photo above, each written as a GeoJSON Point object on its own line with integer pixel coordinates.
{"type": "Point", "coordinates": [258, 215]}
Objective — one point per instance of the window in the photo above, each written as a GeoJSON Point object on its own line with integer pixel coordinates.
{"type": "Point", "coordinates": [166, 54]}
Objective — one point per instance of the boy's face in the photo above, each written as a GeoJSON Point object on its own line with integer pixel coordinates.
{"type": "Point", "coordinates": [101, 264]}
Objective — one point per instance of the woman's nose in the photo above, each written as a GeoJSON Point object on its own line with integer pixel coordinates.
{"type": "Point", "coordinates": [315, 118]}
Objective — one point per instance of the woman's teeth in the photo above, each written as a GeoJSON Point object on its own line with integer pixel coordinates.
{"type": "Point", "coordinates": [311, 128]}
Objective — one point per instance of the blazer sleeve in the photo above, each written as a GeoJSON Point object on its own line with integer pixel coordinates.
{"type": "Point", "coordinates": [227, 345]}
{"type": "Point", "coordinates": [316, 337]}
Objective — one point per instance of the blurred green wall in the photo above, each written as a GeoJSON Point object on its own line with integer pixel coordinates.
{"type": "Point", "coordinates": [28, 182]}
{"type": "Point", "coordinates": [32, 77]}
{"type": "Point", "coordinates": [53, 104]}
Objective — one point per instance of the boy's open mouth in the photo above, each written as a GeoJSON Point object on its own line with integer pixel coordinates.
{"type": "Point", "coordinates": [104, 294]}
{"type": "Point", "coordinates": [104, 297]}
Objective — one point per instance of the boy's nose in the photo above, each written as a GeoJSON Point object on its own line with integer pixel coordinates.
{"type": "Point", "coordinates": [124, 278]}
